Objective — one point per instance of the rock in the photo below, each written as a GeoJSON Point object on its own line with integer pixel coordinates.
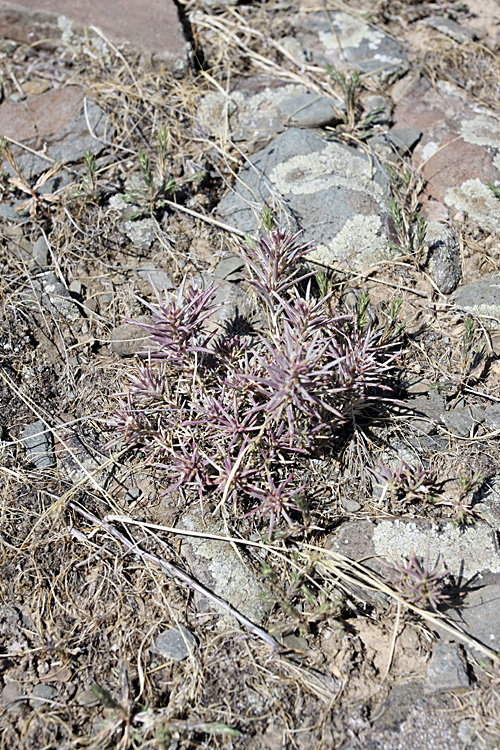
{"type": "Point", "coordinates": [128, 339]}
{"type": "Point", "coordinates": [461, 420]}
{"type": "Point", "coordinates": [331, 191]}
{"type": "Point", "coordinates": [43, 694]}
{"type": "Point", "coordinates": [478, 616]}
{"type": "Point", "coordinates": [159, 279]}
{"type": "Point", "coordinates": [447, 669]}
{"type": "Point", "coordinates": [229, 268]}
{"type": "Point", "coordinates": [310, 111]}
{"type": "Point", "coordinates": [224, 571]}
{"type": "Point", "coordinates": [39, 444]}
{"type": "Point", "coordinates": [443, 252]}
{"type": "Point", "coordinates": [450, 28]}
{"type": "Point", "coordinates": [54, 296]}
{"type": "Point", "coordinates": [466, 551]}
{"type": "Point", "coordinates": [376, 102]}
{"type": "Point", "coordinates": [400, 702]}
{"type": "Point", "coordinates": [348, 43]}
{"type": "Point", "coordinates": [142, 232]}
{"type": "Point", "coordinates": [404, 139]}
{"type": "Point", "coordinates": [40, 254]}
{"type": "Point", "coordinates": [87, 698]}
{"type": "Point", "coordinates": [162, 40]}
{"type": "Point", "coordinates": [459, 152]}
{"type": "Point", "coordinates": [13, 697]}
{"type": "Point", "coordinates": [432, 407]}
{"type": "Point", "coordinates": [238, 311]}
{"type": "Point", "coordinates": [175, 643]}
{"type": "Point", "coordinates": [481, 298]}
{"type": "Point", "coordinates": [492, 415]}
{"type": "Point", "coordinates": [60, 120]}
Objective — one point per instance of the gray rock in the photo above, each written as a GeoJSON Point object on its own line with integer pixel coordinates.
{"type": "Point", "coordinates": [229, 268]}
{"type": "Point", "coordinates": [142, 232]}
{"type": "Point", "coordinates": [40, 253]}
{"type": "Point", "coordinates": [54, 296]}
{"type": "Point", "coordinates": [39, 444]}
{"type": "Point", "coordinates": [450, 28]}
{"type": "Point", "coordinates": [159, 279]}
{"type": "Point", "coordinates": [128, 339]}
{"type": "Point", "coordinates": [43, 694]}
{"type": "Point", "coordinates": [481, 298]}
{"type": "Point", "coordinates": [310, 111]}
{"type": "Point", "coordinates": [447, 669]}
{"type": "Point", "coordinates": [331, 191]}
{"type": "Point", "coordinates": [443, 256]}
{"type": "Point", "coordinates": [492, 415]}
{"type": "Point", "coordinates": [87, 698]}
{"type": "Point", "coordinates": [13, 698]}
{"type": "Point", "coordinates": [399, 704]}
{"type": "Point", "coordinates": [219, 567]}
{"type": "Point", "coordinates": [404, 139]}
{"type": "Point", "coordinates": [461, 420]}
{"type": "Point", "coordinates": [348, 43]}
{"type": "Point", "coordinates": [175, 643]}
{"type": "Point", "coordinates": [376, 102]}
{"type": "Point", "coordinates": [238, 307]}
{"type": "Point", "coordinates": [478, 616]}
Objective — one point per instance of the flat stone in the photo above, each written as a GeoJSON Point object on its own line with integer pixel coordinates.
{"type": "Point", "coordinates": [458, 154]}
{"type": "Point", "coordinates": [142, 232]}
{"type": "Point", "coordinates": [349, 43]}
{"type": "Point", "coordinates": [57, 123]}
{"type": "Point", "coordinates": [404, 139]}
{"type": "Point", "coordinates": [331, 191]}
{"type": "Point", "coordinates": [399, 704]}
{"type": "Point", "coordinates": [54, 297]}
{"type": "Point", "coordinates": [12, 697]}
{"type": "Point", "coordinates": [481, 298]}
{"type": "Point", "coordinates": [128, 339]}
{"type": "Point", "coordinates": [450, 28]}
{"type": "Point", "coordinates": [461, 420]}
{"type": "Point", "coordinates": [466, 551]}
{"type": "Point", "coordinates": [217, 565]}
{"type": "Point", "coordinates": [478, 616]}
{"type": "Point", "coordinates": [310, 111]}
{"type": "Point", "coordinates": [443, 256]}
{"type": "Point", "coordinates": [87, 697]}
{"type": "Point", "coordinates": [39, 444]}
{"type": "Point", "coordinates": [43, 694]}
{"type": "Point", "coordinates": [229, 268]}
{"type": "Point", "coordinates": [447, 669]}
{"type": "Point", "coordinates": [158, 278]}
{"type": "Point", "coordinates": [238, 310]}
{"type": "Point", "coordinates": [492, 415]}
{"type": "Point", "coordinates": [40, 254]}
{"type": "Point", "coordinates": [156, 33]}
{"type": "Point", "coordinates": [175, 643]}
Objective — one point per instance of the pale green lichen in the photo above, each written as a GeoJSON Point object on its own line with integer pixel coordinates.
{"type": "Point", "coordinates": [477, 200]}
{"type": "Point", "coordinates": [466, 552]}
{"type": "Point", "coordinates": [481, 130]}
{"type": "Point", "coordinates": [334, 166]}
{"type": "Point", "coordinates": [359, 238]}
{"type": "Point", "coordinates": [352, 32]}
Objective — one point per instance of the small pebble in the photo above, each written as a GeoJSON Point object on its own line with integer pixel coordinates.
{"type": "Point", "coordinates": [175, 643]}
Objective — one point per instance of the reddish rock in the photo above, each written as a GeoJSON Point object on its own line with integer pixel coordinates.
{"type": "Point", "coordinates": [153, 28]}
{"type": "Point", "coordinates": [459, 152]}
{"type": "Point", "coordinates": [55, 123]}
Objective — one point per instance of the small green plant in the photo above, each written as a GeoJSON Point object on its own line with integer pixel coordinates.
{"type": "Point", "coordinates": [409, 225]}
{"type": "Point", "coordinates": [494, 189]}
{"type": "Point", "coordinates": [157, 183]}
{"type": "Point", "coordinates": [350, 87]}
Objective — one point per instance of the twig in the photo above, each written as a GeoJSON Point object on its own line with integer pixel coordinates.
{"type": "Point", "coordinates": [176, 572]}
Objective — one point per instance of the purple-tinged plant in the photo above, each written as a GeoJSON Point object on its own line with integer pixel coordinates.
{"type": "Point", "coordinates": [417, 583]}
{"type": "Point", "coordinates": [404, 482]}
{"type": "Point", "coordinates": [178, 327]}
{"type": "Point", "coordinates": [272, 262]}
{"type": "Point", "coordinates": [276, 500]}
{"type": "Point", "coordinates": [227, 414]}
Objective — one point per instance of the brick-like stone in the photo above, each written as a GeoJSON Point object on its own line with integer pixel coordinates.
{"type": "Point", "coordinates": [153, 28]}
